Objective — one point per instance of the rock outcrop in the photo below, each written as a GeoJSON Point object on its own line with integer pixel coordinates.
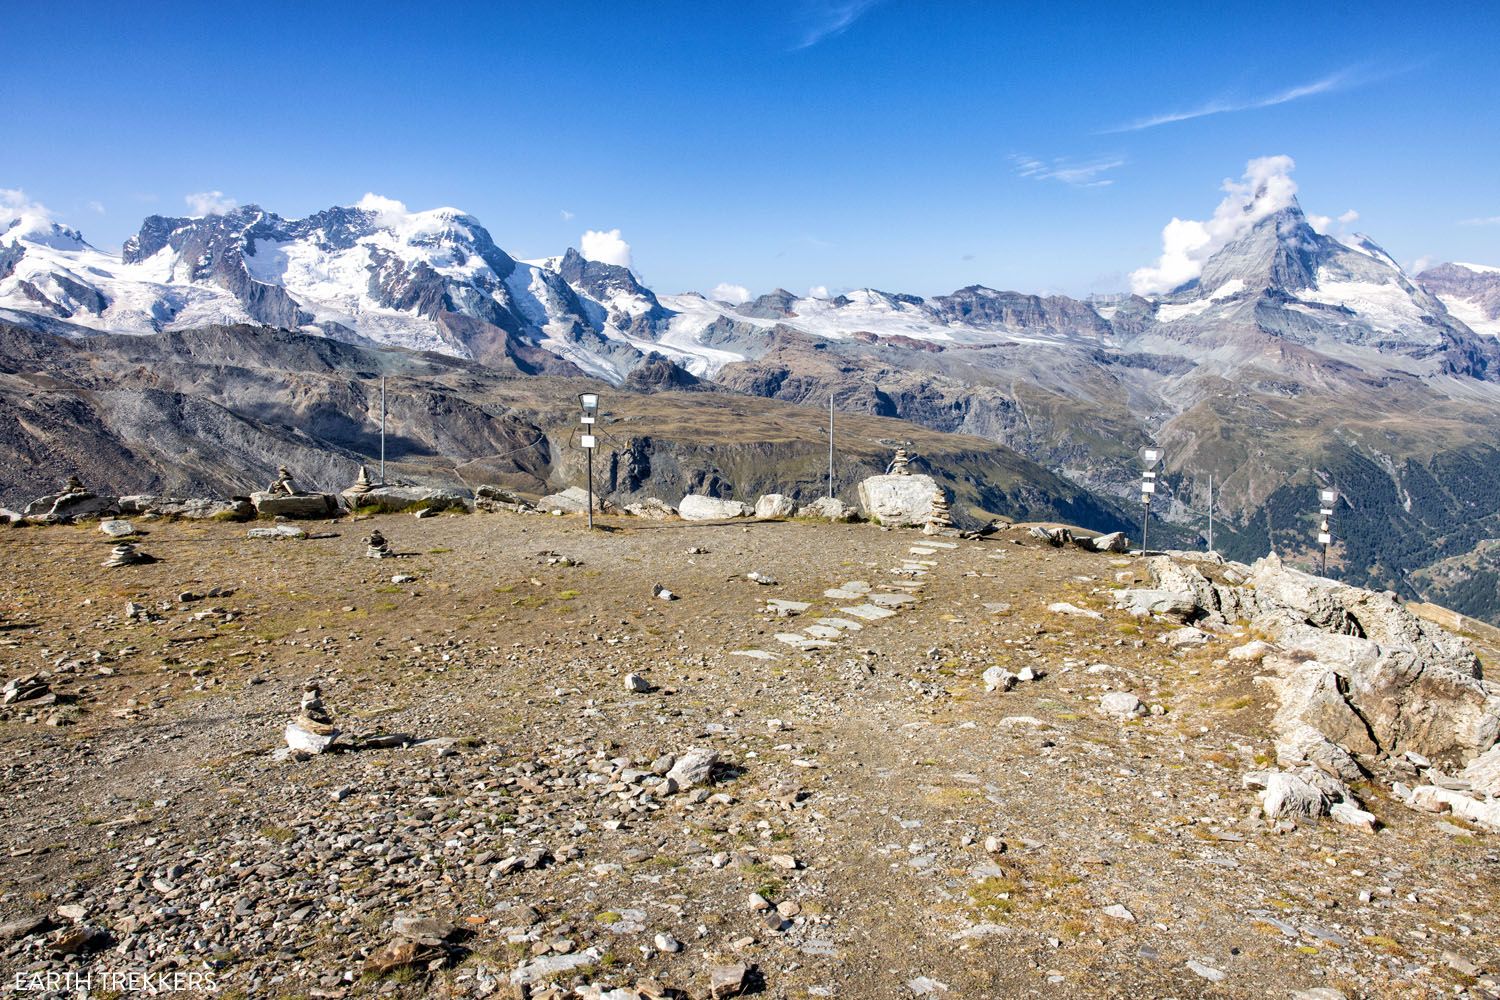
{"type": "Point", "coordinates": [775, 505]}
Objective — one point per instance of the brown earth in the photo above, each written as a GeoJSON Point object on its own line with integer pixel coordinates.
{"type": "Point", "coordinates": [158, 808]}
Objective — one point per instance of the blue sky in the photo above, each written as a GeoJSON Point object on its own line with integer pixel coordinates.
{"type": "Point", "coordinates": [903, 145]}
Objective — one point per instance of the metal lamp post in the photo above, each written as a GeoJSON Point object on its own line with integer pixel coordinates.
{"type": "Point", "coordinates": [1326, 500]}
{"type": "Point", "coordinates": [1151, 457]}
{"type": "Point", "coordinates": [589, 402]}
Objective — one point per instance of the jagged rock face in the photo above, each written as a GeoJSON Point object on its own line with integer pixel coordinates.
{"type": "Point", "coordinates": [986, 307]}
{"type": "Point", "coordinates": [631, 306]}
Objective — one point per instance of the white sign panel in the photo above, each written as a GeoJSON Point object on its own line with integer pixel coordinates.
{"type": "Point", "coordinates": [1325, 539]}
{"type": "Point", "coordinates": [588, 440]}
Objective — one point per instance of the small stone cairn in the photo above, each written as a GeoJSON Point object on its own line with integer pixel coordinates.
{"type": "Point", "coordinates": [362, 484]}
{"type": "Point", "coordinates": [72, 485]}
{"type": "Point", "coordinates": [312, 731]}
{"type": "Point", "coordinates": [283, 486]}
{"type": "Point", "coordinates": [939, 522]}
{"type": "Point", "coordinates": [376, 547]}
{"type": "Point", "coordinates": [899, 464]}
{"type": "Point", "coordinates": [126, 554]}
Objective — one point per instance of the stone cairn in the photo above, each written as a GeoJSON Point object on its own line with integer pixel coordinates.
{"type": "Point", "coordinates": [899, 464]}
{"type": "Point", "coordinates": [312, 731]}
{"type": "Point", "coordinates": [362, 484]}
{"type": "Point", "coordinates": [73, 485]}
{"type": "Point", "coordinates": [126, 554]}
{"type": "Point", "coordinates": [939, 521]}
{"type": "Point", "coordinates": [283, 486]}
{"type": "Point", "coordinates": [376, 547]}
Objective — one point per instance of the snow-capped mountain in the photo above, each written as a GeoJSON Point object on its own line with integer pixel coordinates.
{"type": "Point", "coordinates": [1471, 292]}
{"type": "Point", "coordinates": [436, 280]}
{"type": "Point", "coordinates": [1286, 282]}
{"type": "Point", "coordinates": [373, 272]}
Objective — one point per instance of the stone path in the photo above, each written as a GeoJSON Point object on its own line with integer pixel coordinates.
{"type": "Point", "coordinates": [870, 604]}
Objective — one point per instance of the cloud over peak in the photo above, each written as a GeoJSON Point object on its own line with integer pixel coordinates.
{"type": "Point", "coordinates": [1266, 188]}
{"type": "Point", "coordinates": [605, 246]}
{"type": "Point", "coordinates": [210, 203]}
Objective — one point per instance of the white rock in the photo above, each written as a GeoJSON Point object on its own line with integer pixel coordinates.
{"type": "Point", "coordinates": [1352, 815]}
{"type": "Point", "coordinates": [898, 501]}
{"type": "Point", "coordinates": [1121, 704]}
{"type": "Point", "coordinates": [636, 683]}
{"type": "Point", "coordinates": [117, 529]}
{"type": "Point", "coordinates": [1064, 608]}
{"type": "Point", "coordinates": [1118, 912]}
{"type": "Point", "coordinates": [775, 505]}
{"type": "Point", "coordinates": [694, 768]}
{"type": "Point", "coordinates": [999, 679]}
{"type": "Point", "coordinates": [695, 507]}
{"type": "Point", "coordinates": [1288, 796]}
{"type": "Point", "coordinates": [1250, 652]}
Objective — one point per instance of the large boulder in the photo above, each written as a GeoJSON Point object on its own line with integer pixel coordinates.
{"type": "Point", "coordinates": [398, 498]}
{"type": "Point", "coordinates": [573, 500]}
{"type": "Point", "coordinates": [695, 507]}
{"type": "Point", "coordinates": [828, 509]}
{"type": "Point", "coordinates": [301, 505]}
{"type": "Point", "coordinates": [199, 509]}
{"type": "Point", "coordinates": [651, 508]}
{"type": "Point", "coordinates": [898, 501]}
{"type": "Point", "coordinates": [497, 498]}
{"type": "Point", "coordinates": [775, 505]}
{"type": "Point", "coordinates": [68, 506]}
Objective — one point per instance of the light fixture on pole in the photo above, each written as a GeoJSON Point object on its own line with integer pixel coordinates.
{"type": "Point", "coordinates": [1326, 501]}
{"type": "Point", "coordinates": [589, 402]}
{"type": "Point", "coordinates": [1151, 457]}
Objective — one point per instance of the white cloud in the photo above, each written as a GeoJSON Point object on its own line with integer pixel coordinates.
{"type": "Point", "coordinates": [567, 216]}
{"type": "Point", "coordinates": [388, 211]}
{"type": "Point", "coordinates": [829, 18]}
{"type": "Point", "coordinates": [1420, 264]}
{"type": "Point", "coordinates": [1484, 220]}
{"type": "Point", "coordinates": [1333, 81]}
{"type": "Point", "coordinates": [1326, 224]}
{"type": "Point", "coordinates": [1266, 188]}
{"type": "Point", "coordinates": [210, 203]}
{"type": "Point", "coordinates": [1063, 170]}
{"type": "Point", "coordinates": [818, 292]}
{"type": "Point", "coordinates": [734, 294]}
{"type": "Point", "coordinates": [97, 207]}
{"type": "Point", "coordinates": [14, 204]}
{"type": "Point", "coordinates": [605, 247]}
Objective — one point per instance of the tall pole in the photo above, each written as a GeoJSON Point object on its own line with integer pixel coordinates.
{"type": "Point", "coordinates": [591, 488]}
{"type": "Point", "coordinates": [830, 444]}
{"type": "Point", "coordinates": [382, 430]}
{"type": "Point", "coordinates": [1146, 527]}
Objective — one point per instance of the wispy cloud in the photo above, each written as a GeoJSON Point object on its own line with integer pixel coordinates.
{"type": "Point", "coordinates": [1342, 80]}
{"type": "Point", "coordinates": [210, 203]}
{"type": "Point", "coordinates": [1062, 169]}
{"type": "Point", "coordinates": [824, 19]}
{"type": "Point", "coordinates": [1481, 220]}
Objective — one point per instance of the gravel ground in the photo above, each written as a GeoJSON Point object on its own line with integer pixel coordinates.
{"type": "Point", "coordinates": [875, 825]}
